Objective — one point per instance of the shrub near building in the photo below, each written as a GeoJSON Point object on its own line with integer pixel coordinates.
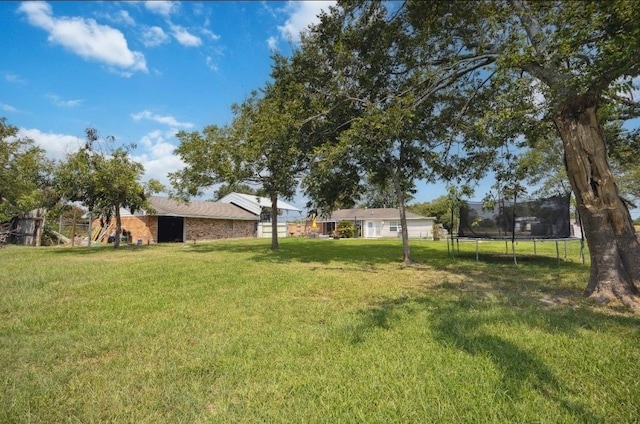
{"type": "Point", "coordinates": [345, 229]}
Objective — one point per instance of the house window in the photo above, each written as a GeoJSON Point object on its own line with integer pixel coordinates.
{"type": "Point", "coordinates": [394, 226]}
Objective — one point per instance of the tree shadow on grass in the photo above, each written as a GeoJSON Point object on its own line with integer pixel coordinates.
{"type": "Point", "coordinates": [469, 324]}
{"type": "Point", "coordinates": [310, 251]}
{"type": "Point", "coordinates": [540, 277]}
{"type": "Point", "coordinates": [519, 367]}
{"type": "Point", "coordinates": [324, 251]}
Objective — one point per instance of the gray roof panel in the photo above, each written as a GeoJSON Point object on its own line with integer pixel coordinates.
{"type": "Point", "coordinates": [256, 203]}
{"type": "Point", "coordinates": [165, 206]}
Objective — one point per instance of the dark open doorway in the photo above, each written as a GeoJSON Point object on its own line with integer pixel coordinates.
{"type": "Point", "coordinates": [170, 229]}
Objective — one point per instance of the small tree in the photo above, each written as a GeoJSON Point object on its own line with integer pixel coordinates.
{"type": "Point", "coordinates": [24, 174]}
{"type": "Point", "coordinates": [363, 103]}
{"type": "Point", "coordinates": [104, 182]}
{"type": "Point", "coordinates": [439, 208]}
{"type": "Point", "coordinates": [260, 147]}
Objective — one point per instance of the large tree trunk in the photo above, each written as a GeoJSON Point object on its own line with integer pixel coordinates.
{"type": "Point", "coordinates": [274, 221]}
{"type": "Point", "coordinates": [613, 245]}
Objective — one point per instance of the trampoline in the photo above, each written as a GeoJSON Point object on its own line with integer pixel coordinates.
{"type": "Point", "coordinates": [529, 219]}
{"type": "Point", "coordinates": [537, 220]}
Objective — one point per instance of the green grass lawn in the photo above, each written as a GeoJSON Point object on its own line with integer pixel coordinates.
{"type": "Point", "coordinates": [323, 331]}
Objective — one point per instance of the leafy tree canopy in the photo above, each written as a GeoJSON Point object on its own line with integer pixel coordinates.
{"type": "Point", "coordinates": [24, 174]}
{"type": "Point", "coordinates": [439, 208]}
{"type": "Point", "coordinates": [104, 182]}
{"type": "Point", "coordinates": [261, 147]}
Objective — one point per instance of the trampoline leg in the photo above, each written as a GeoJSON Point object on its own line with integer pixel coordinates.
{"type": "Point", "coordinates": [535, 251]}
{"type": "Point", "coordinates": [557, 252]}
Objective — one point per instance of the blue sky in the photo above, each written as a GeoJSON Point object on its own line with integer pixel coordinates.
{"type": "Point", "coordinates": [138, 71]}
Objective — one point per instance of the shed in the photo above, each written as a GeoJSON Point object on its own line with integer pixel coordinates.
{"type": "Point", "coordinates": [175, 221]}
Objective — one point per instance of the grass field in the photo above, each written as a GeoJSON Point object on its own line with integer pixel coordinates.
{"type": "Point", "coordinates": [323, 331]}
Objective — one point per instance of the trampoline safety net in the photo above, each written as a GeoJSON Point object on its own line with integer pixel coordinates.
{"type": "Point", "coordinates": [543, 218]}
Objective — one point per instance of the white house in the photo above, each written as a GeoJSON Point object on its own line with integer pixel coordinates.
{"type": "Point", "coordinates": [378, 223]}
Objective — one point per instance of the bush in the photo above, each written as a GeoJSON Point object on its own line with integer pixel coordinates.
{"type": "Point", "coordinates": [345, 229]}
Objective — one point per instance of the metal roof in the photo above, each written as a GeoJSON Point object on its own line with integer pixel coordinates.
{"type": "Point", "coordinates": [254, 203]}
{"type": "Point", "coordinates": [165, 206]}
{"type": "Point", "coordinates": [369, 213]}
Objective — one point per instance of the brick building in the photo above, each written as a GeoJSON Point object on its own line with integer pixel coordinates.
{"type": "Point", "coordinates": [173, 221]}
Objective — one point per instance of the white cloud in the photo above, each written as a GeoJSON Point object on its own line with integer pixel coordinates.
{"type": "Point", "coordinates": [159, 159]}
{"type": "Point", "coordinates": [56, 145]}
{"type": "Point", "coordinates": [272, 42]}
{"type": "Point", "coordinates": [14, 78]}
{"type": "Point", "coordinates": [184, 37]}
{"type": "Point", "coordinates": [64, 103]}
{"type": "Point", "coordinates": [126, 18]}
{"type": "Point", "coordinates": [85, 37]}
{"type": "Point", "coordinates": [122, 17]}
{"type": "Point", "coordinates": [301, 15]}
{"type": "Point", "coordinates": [154, 36]}
{"type": "Point", "coordinates": [166, 120]}
{"type": "Point", "coordinates": [211, 64]}
{"type": "Point", "coordinates": [210, 34]}
{"type": "Point", "coordinates": [8, 108]}
{"type": "Point", "coordinates": [164, 8]}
